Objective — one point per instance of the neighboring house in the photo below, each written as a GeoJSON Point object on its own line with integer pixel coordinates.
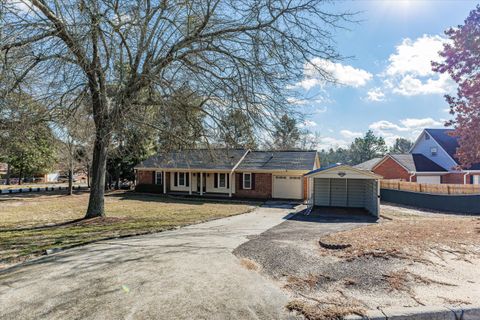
{"type": "Point", "coordinates": [236, 173]}
{"type": "Point", "coordinates": [430, 160]}
{"type": "Point", "coordinates": [408, 167]}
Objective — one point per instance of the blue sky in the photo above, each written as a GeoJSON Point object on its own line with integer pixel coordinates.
{"type": "Point", "coordinates": [387, 85]}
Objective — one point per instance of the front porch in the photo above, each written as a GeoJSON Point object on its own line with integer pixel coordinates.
{"type": "Point", "coordinates": [190, 182]}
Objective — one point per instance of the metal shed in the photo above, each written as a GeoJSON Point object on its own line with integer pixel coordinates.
{"type": "Point", "coordinates": [344, 186]}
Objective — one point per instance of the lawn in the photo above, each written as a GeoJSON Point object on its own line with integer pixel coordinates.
{"type": "Point", "coordinates": [32, 223]}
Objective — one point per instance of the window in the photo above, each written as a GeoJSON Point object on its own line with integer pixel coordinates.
{"type": "Point", "coordinates": [433, 151]}
{"type": "Point", "coordinates": [222, 180]}
{"type": "Point", "coordinates": [247, 180]}
{"type": "Point", "coordinates": [158, 177]}
{"type": "Point", "coordinates": [181, 179]}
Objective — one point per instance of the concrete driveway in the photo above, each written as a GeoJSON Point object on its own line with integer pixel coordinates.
{"type": "Point", "coordinates": [189, 273]}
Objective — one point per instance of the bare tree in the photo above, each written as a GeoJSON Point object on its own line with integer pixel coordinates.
{"type": "Point", "coordinates": [235, 54]}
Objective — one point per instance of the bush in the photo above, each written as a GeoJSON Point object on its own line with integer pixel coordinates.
{"type": "Point", "coordinates": [149, 188]}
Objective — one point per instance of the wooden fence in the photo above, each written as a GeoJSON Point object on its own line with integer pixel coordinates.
{"type": "Point", "coordinates": [430, 188]}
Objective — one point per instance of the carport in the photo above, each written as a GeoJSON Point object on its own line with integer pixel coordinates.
{"type": "Point", "coordinates": [344, 186]}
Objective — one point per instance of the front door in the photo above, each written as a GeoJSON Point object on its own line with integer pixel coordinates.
{"type": "Point", "coordinates": [204, 182]}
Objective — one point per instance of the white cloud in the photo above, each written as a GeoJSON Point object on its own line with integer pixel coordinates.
{"type": "Point", "coordinates": [330, 142]}
{"type": "Point", "coordinates": [409, 72]}
{"type": "Point", "coordinates": [415, 57]}
{"type": "Point", "coordinates": [375, 95]}
{"type": "Point", "coordinates": [342, 74]}
{"type": "Point", "coordinates": [408, 128]}
{"type": "Point", "coordinates": [410, 86]}
{"type": "Point", "coordinates": [420, 123]}
{"type": "Point", "coordinates": [350, 134]}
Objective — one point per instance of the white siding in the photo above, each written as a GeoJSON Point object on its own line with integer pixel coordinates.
{"type": "Point", "coordinates": [321, 192]}
{"type": "Point", "coordinates": [338, 192]}
{"type": "Point", "coordinates": [356, 193]}
{"type": "Point", "coordinates": [442, 158]}
{"type": "Point", "coordinates": [353, 193]}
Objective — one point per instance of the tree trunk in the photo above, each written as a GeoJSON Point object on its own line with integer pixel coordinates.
{"type": "Point", "coordinates": [70, 182]}
{"type": "Point", "coordinates": [8, 174]}
{"type": "Point", "coordinates": [88, 175]}
{"type": "Point", "coordinates": [96, 207]}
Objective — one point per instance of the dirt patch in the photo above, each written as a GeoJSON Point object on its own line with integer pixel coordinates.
{"type": "Point", "coordinates": [325, 309]}
{"type": "Point", "coordinates": [249, 264]}
{"type": "Point", "coordinates": [407, 260]}
{"type": "Point", "coordinates": [407, 239]}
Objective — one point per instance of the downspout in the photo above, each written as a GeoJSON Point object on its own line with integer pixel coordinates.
{"type": "Point", "coordinates": [412, 174]}
{"type": "Point", "coordinates": [465, 177]}
{"type": "Point", "coordinates": [233, 169]}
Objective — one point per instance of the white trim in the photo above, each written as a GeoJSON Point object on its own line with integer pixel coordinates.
{"type": "Point", "coordinates": [431, 137]}
{"type": "Point", "coordinates": [366, 174]}
{"type": "Point", "coordinates": [164, 182]}
{"type": "Point", "coordinates": [243, 180]}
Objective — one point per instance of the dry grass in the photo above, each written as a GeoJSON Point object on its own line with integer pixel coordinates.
{"type": "Point", "coordinates": [32, 223]}
{"type": "Point", "coordinates": [409, 237]}
{"type": "Point", "coordinates": [310, 282]}
{"type": "Point", "coordinates": [404, 280]}
{"type": "Point", "coordinates": [324, 310]}
{"type": "Point", "coordinates": [249, 264]}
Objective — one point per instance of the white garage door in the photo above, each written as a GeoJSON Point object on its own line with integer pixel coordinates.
{"type": "Point", "coordinates": [287, 187]}
{"type": "Point", "coordinates": [428, 179]}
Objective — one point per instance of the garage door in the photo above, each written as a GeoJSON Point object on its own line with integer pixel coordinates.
{"type": "Point", "coordinates": [428, 179]}
{"type": "Point", "coordinates": [287, 187]}
{"type": "Point", "coordinates": [353, 193]}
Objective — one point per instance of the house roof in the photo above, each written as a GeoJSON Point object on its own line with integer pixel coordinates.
{"type": "Point", "coordinates": [448, 143]}
{"type": "Point", "coordinates": [278, 160]}
{"type": "Point", "coordinates": [368, 165]}
{"type": "Point", "coordinates": [226, 159]}
{"type": "Point", "coordinates": [416, 162]}
{"type": "Point", "coordinates": [358, 173]}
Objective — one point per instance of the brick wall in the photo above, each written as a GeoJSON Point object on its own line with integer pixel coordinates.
{"type": "Point", "coordinates": [455, 178]}
{"type": "Point", "coordinates": [145, 177]}
{"type": "Point", "coordinates": [262, 186]}
{"type": "Point", "coordinates": [390, 169]}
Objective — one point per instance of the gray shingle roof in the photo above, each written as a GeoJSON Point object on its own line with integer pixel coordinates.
{"type": "Point", "coordinates": [278, 160]}
{"type": "Point", "coordinates": [226, 159]}
{"type": "Point", "coordinates": [368, 165]}
{"type": "Point", "coordinates": [417, 162]}
{"type": "Point", "coordinates": [195, 159]}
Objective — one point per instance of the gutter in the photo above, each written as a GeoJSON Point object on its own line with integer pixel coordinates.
{"type": "Point", "coordinates": [412, 174]}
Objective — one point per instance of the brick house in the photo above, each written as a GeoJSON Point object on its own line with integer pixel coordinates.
{"type": "Point", "coordinates": [405, 167]}
{"type": "Point", "coordinates": [431, 160]}
{"type": "Point", "coordinates": [233, 173]}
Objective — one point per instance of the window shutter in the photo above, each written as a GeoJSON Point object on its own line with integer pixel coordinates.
{"type": "Point", "coordinates": [175, 179]}
{"type": "Point", "coordinates": [471, 180]}
{"type": "Point", "coordinates": [215, 180]}
{"type": "Point", "coordinates": [153, 177]}
{"type": "Point", "coordinates": [228, 180]}
{"type": "Point", "coordinates": [187, 179]}
{"type": "Point", "coordinates": [253, 181]}
{"type": "Point", "coordinates": [240, 179]}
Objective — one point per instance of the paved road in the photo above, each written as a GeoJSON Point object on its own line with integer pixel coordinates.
{"type": "Point", "coordinates": [189, 273]}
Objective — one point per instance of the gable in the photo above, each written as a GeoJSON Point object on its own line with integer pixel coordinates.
{"type": "Point", "coordinates": [423, 146]}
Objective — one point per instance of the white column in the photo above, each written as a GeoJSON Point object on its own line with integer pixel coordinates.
{"type": "Point", "coordinates": [230, 186]}
{"type": "Point", "coordinates": [190, 180]}
{"type": "Point", "coordinates": [201, 183]}
{"type": "Point", "coordinates": [164, 182]}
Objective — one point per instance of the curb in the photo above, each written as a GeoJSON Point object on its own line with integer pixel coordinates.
{"type": "Point", "coordinates": [421, 313]}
